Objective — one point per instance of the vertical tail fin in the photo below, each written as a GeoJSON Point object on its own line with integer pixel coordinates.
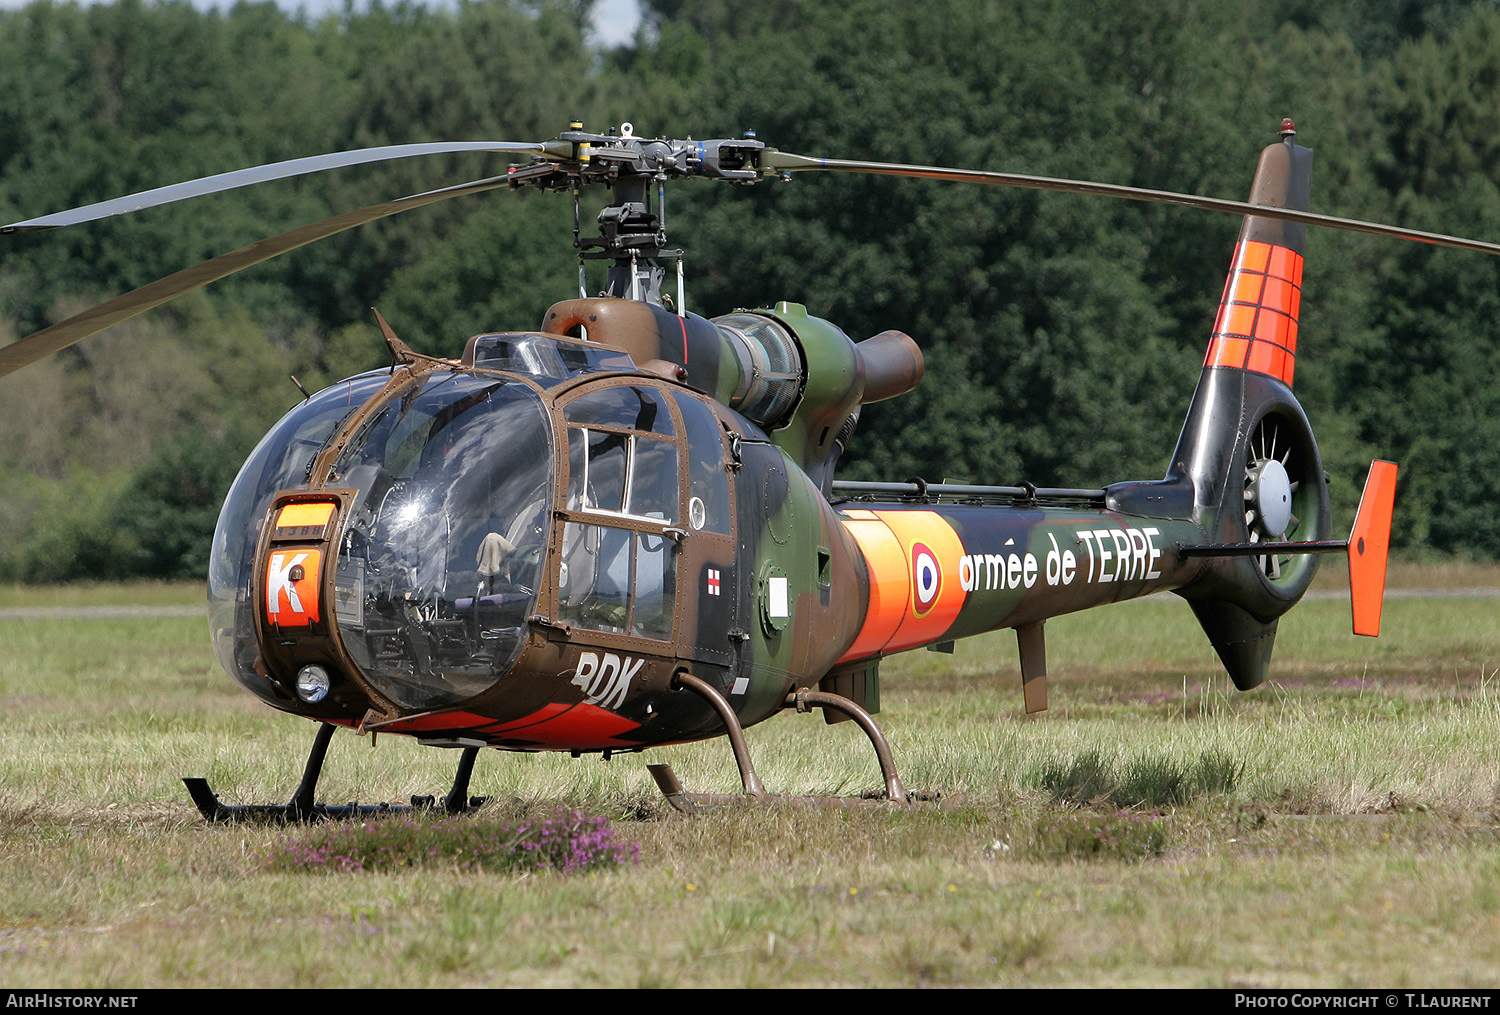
{"type": "Point", "coordinates": [1247, 447]}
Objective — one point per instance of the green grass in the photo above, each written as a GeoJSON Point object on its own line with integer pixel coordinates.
{"type": "Point", "coordinates": [1149, 781]}
{"type": "Point", "coordinates": [137, 593]}
{"type": "Point", "coordinates": [1336, 827]}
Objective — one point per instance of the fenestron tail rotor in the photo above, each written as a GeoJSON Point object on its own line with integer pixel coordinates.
{"type": "Point", "coordinates": [1273, 475]}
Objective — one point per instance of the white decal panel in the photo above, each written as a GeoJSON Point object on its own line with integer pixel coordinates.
{"type": "Point", "coordinates": [777, 592]}
{"type": "Point", "coordinates": [606, 681]}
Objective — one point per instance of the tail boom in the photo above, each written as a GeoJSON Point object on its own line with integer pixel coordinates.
{"type": "Point", "coordinates": [939, 572]}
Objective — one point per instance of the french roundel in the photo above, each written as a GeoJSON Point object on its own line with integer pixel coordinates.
{"type": "Point", "coordinates": [927, 578]}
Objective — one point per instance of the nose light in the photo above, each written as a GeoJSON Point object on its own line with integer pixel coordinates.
{"type": "Point", "coordinates": [313, 683]}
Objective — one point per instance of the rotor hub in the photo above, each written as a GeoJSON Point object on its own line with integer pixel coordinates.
{"type": "Point", "coordinates": [1271, 495]}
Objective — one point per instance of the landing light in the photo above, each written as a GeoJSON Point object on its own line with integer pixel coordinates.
{"type": "Point", "coordinates": [312, 683]}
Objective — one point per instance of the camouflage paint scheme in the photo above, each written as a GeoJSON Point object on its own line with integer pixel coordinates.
{"type": "Point", "coordinates": [758, 578]}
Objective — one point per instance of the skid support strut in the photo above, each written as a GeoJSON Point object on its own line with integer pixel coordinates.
{"type": "Point", "coordinates": [303, 808]}
{"type": "Point", "coordinates": [802, 701]}
{"type": "Point", "coordinates": [807, 700]}
{"type": "Point", "coordinates": [666, 779]}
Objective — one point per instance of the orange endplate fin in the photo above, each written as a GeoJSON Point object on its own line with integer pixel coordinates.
{"type": "Point", "coordinates": [1369, 545]}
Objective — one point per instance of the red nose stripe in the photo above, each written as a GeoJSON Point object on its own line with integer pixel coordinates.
{"type": "Point", "coordinates": [1257, 324]}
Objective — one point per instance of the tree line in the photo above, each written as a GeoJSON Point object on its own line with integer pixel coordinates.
{"type": "Point", "coordinates": [1063, 334]}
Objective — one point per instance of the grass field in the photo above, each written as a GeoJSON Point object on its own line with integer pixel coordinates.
{"type": "Point", "coordinates": [1335, 827]}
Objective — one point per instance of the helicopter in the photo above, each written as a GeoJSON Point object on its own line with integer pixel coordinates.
{"type": "Point", "coordinates": [623, 529]}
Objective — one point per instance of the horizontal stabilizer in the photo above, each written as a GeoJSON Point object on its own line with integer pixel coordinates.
{"type": "Point", "coordinates": [1369, 545]}
{"type": "Point", "coordinates": [1261, 549]}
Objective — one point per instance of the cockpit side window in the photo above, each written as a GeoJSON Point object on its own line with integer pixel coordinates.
{"type": "Point", "coordinates": [653, 480]}
{"type": "Point", "coordinates": [618, 581]}
{"type": "Point", "coordinates": [621, 458]}
{"type": "Point", "coordinates": [618, 569]}
{"type": "Point", "coordinates": [599, 462]}
{"type": "Point", "coordinates": [643, 410]}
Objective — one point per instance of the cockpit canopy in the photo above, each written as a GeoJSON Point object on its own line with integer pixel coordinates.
{"type": "Point", "coordinates": [450, 491]}
{"type": "Point", "coordinates": [438, 561]}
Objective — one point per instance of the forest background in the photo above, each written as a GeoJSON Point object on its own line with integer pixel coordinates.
{"type": "Point", "coordinates": [1063, 334]}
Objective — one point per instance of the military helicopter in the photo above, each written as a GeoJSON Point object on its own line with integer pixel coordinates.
{"type": "Point", "coordinates": [623, 530]}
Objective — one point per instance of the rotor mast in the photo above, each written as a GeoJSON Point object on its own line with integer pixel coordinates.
{"type": "Point", "coordinates": [632, 227]}
{"type": "Point", "coordinates": [633, 238]}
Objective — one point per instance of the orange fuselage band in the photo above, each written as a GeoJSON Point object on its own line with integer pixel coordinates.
{"type": "Point", "coordinates": [913, 560]}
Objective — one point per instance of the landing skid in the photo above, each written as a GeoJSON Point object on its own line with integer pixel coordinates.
{"type": "Point", "coordinates": [754, 792]}
{"type": "Point", "coordinates": [302, 808]}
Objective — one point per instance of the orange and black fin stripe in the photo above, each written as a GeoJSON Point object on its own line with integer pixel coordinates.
{"type": "Point", "coordinates": [1256, 328]}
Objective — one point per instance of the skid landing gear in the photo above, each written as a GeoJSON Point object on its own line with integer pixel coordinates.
{"type": "Point", "coordinates": [755, 792]}
{"type": "Point", "coordinates": [302, 808]}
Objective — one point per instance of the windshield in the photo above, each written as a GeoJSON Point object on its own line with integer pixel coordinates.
{"type": "Point", "coordinates": [280, 462]}
{"type": "Point", "coordinates": [439, 560]}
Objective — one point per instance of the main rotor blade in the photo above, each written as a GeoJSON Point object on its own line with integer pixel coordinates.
{"type": "Point", "coordinates": [786, 162]}
{"type": "Point", "coordinates": [258, 174]}
{"type": "Point", "coordinates": [63, 334]}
